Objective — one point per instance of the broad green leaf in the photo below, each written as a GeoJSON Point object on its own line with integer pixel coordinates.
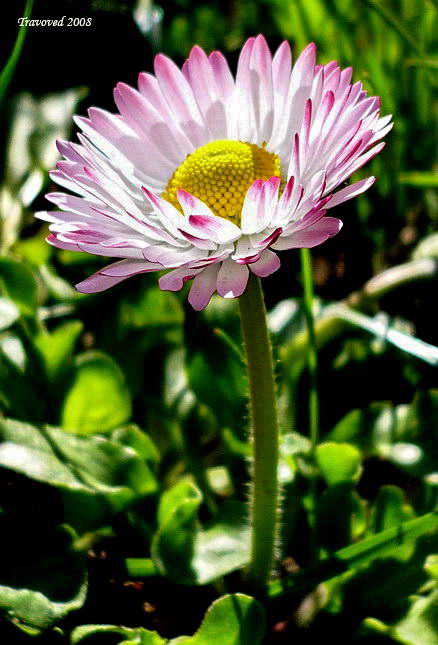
{"type": "Point", "coordinates": [235, 619]}
{"type": "Point", "coordinates": [18, 283]}
{"type": "Point", "coordinates": [57, 347]}
{"type": "Point", "coordinates": [143, 445]}
{"type": "Point", "coordinates": [98, 399]}
{"type": "Point", "coordinates": [338, 462]}
{"type": "Point", "coordinates": [188, 553]}
{"type": "Point", "coordinates": [9, 313]}
{"type": "Point", "coordinates": [93, 473]}
{"type": "Point", "coordinates": [137, 636]}
{"type": "Point", "coordinates": [183, 495]}
{"type": "Point", "coordinates": [39, 588]}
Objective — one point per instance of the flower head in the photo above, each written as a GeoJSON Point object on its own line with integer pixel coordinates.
{"type": "Point", "coordinates": [207, 175]}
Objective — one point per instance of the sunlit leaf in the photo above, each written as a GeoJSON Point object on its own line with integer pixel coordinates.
{"type": "Point", "coordinates": [93, 634]}
{"type": "Point", "coordinates": [235, 619]}
{"type": "Point", "coordinates": [92, 473]}
{"type": "Point", "coordinates": [9, 313]}
{"type": "Point", "coordinates": [57, 347]}
{"type": "Point", "coordinates": [98, 399]}
{"type": "Point", "coordinates": [188, 553]}
{"type": "Point", "coordinates": [338, 462]}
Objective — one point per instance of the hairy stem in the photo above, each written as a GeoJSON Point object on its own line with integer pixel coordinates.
{"type": "Point", "coordinates": [265, 436]}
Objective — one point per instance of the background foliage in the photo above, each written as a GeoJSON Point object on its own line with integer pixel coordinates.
{"type": "Point", "coordinates": [122, 436]}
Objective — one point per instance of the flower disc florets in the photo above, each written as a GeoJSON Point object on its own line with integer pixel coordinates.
{"type": "Point", "coordinates": [207, 176]}
{"type": "Point", "coordinates": [220, 174]}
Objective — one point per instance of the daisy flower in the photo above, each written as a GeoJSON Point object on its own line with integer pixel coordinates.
{"type": "Point", "coordinates": [207, 176]}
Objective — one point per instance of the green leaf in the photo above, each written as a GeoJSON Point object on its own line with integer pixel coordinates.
{"type": "Point", "coordinates": [338, 462]}
{"type": "Point", "coordinates": [189, 554]}
{"type": "Point", "coordinates": [185, 496]}
{"type": "Point", "coordinates": [138, 636]}
{"type": "Point", "coordinates": [93, 473]}
{"type": "Point", "coordinates": [141, 442]}
{"type": "Point", "coordinates": [235, 619]}
{"type": "Point", "coordinates": [98, 399]}
{"type": "Point", "coordinates": [38, 586]}
{"type": "Point", "coordinates": [9, 313]}
{"type": "Point", "coordinates": [417, 627]}
{"type": "Point", "coordinates": [18, 283]}
{"type": "Point", "coordinates": [57, 347]}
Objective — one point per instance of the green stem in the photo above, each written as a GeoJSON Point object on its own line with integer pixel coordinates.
{"type": "Point", "coordinates": [8, 71]}
{"type": "Point", "coordinates": [312, 362]}
{"type": "Point", "coordinates": [265, 436]}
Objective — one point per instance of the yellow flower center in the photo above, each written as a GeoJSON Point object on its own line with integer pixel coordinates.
{"type": "Point", "coordinates": [220, 174]}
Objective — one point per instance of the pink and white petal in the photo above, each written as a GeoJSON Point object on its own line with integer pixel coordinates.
{"type": "Point", "coordinates": [268, 263]}
{"type": "Point", "coordinates": [268, 203]}
{"type": "Point", "coordinates": [130, 267]}
{"type": "Point", "coordinates": [281, 70]}
{"type": "Point", "coordinates": [351, 191]}
{"type": "Point", "coordinates": [199, 74]}
{"type": "Point", "coordinates": [200, 243]}
{"type": "Point", "coordinates": [245, 251]}
{"type": "Point", "coordinates": [246, 127]}
{"type": "Point", "coordinates": [98, 282]}
{"type": "Point", "coordinates": [173, 257]}
{"type": "Point", "coordinates": [65, 246]}
{"type": "Point", "coordinates": [175, 280]}
{"type": "Point", "coordinates": [262, 240]}
{"type": "Point", "coordinates": [248, 220]}
{"type": "Point", "coordinates": [355, 164]}
{"type": "Point", "coordinates": [105, 251]}
{"type": "Point", "coordinates": [113, 274]}
{"type": "Point", "coordinates": [200, 221]}
{"type": "Point", "coordinates": [232, 279]}
{"type": "Point", "coordinates": [203, 287]}
{"type": "Point", "coordinates": [221, 230]}
{"type": "Point", "coordinates": [179, 96]}
{"type": "Point", "coordinates": [311, 236]}
{"type": "Point", "coordinates": [262, 89]}
{"type": "Point", "coordinates": [221, 72]}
